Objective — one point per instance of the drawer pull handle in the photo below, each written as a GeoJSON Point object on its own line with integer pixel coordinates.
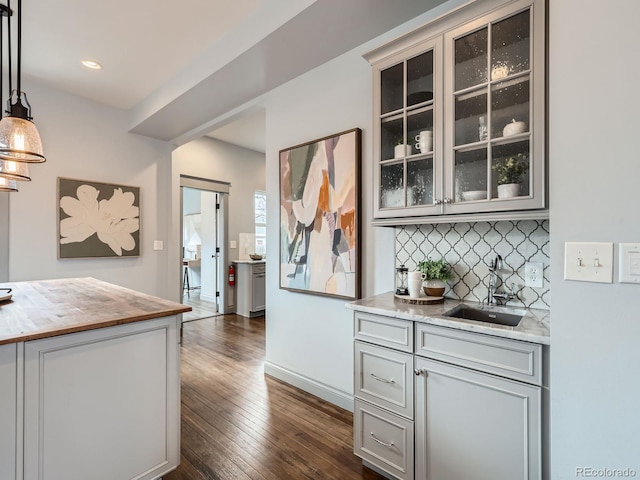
{"type": "Point", "coordinates": [388, 445]}
{"type": "Point", "coordinates": [383, 380]}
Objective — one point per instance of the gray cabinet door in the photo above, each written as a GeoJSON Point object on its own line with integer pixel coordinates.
{"type": "Point", "coordinates": [258, 295]}
{"type": "Point", "coordinates": [473, 425]}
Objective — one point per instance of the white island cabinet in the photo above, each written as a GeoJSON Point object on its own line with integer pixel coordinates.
{"type": "Point", "coordinates": [8, 418]}
{"type": "Point", "coordinates": [93, 393]}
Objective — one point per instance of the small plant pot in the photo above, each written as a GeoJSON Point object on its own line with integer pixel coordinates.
{"type": "Point", "coordinates": [509, 190]}
{"type": "Point", "coordinates": [434, 288]}
{"type": "Point", "coordinates": [402, 150]}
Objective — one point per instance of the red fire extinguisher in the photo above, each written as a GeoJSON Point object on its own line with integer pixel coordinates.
{"type": "Point", "coordinates": [232, 275]}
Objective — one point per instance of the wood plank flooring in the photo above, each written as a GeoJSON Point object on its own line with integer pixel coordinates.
{"type": "Point", "coordinates": [238, 423]}
{"type": "Point", "coordinates": [200, 308]}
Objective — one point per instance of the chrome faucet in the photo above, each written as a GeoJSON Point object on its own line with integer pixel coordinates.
{"type": "Point", "coordinates": [493, 296]}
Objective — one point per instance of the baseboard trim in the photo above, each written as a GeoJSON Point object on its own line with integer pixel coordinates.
{"type": "Point", "coordinates": [325, 392]}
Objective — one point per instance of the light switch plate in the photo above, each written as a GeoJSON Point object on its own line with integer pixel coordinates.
{"type": "Point", "coordinates": [158, 244]}
{"type": "Point", "coordinates": [233, 244]}
{"type": "Point", "coordinates": [629, 263]}
{"type": "Point", "coordinates": [534, 274]}
{"type": "Point", "coordinates": [588, 262]}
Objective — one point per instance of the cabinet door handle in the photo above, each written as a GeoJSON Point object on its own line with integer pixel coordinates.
{"type": "Point", "coordinates": [383, 380]}
{"type": "Point", "coordinates": [437, 201]}
{"type": "Point", "coordinates": [420, 371]}
{"type": "Point", "coordinates": [388, 445]}
{"type": "Point", "coordinates": [447, 201]}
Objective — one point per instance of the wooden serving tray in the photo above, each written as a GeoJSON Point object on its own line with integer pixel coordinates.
{"type": "Point", "coordinates": [419, 300]}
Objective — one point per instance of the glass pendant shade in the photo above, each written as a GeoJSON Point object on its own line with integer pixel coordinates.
{"type": "Point", "coordinates": [13, 170]}
{"type": "Point", "coordinates": [20, 141]}
{"type": "Point", "coordinates": [7, 185]}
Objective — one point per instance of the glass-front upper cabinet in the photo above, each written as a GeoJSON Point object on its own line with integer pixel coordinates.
{"type": "Point", "coordinates": [459, 119]}
{"type": "Point", "coordinates": [407, 132]}
{"type": "Point", "coordinates": [493, 160]}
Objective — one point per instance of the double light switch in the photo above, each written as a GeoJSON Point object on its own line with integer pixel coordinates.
{"type": "Point", "coordinates": [588, 262]}
{"type": "Point", "coordinates": [593, 262]}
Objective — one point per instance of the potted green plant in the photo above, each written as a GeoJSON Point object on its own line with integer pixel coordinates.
{"type": "Point", "coordinates": [509, 171]}
{"type": "Point", "coordinates": [436, 273]}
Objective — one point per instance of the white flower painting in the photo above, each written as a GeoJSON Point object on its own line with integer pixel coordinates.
{"type": "Point", "coordinates": [97, 219]}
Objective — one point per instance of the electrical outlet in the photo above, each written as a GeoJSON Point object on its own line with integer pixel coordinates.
{"type": "Point", "coordinates": [534, 274]}
{"type": "Point", "coordinates": [158, 244]}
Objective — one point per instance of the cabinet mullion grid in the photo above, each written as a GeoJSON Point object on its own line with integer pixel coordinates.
{"type": "Point", "coordinates": [405, 164]}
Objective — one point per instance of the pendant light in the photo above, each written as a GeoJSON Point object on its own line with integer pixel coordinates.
{"type": "Point", "coordinates": [19, 137]}
{"type": "Point", "coordinates": [7, 185]}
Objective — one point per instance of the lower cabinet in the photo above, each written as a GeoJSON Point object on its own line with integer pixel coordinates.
{"type": "Point", "coordinates": [102, 404]}
{"type": "Point", "coordinates": [8, 410]}
{"type": "Point", "coordinates": [459, 406]}
{"type": "Point", "coordinates": [250, 289]}
{"type": "Point", "coordinates": [474, 425]}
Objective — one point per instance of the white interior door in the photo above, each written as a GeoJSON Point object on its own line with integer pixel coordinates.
{"type": "Point", "coordinates": [209, 228]}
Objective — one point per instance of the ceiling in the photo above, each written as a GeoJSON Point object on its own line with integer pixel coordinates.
{"type": "Point", "coordinates": [179, 67]}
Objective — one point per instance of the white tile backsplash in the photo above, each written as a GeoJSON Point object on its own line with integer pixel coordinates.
{"type": "Point", "coordinates": [469, 247]}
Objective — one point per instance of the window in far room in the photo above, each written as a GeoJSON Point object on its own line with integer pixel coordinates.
{"type": "Point", "coordinates": [260, 212]}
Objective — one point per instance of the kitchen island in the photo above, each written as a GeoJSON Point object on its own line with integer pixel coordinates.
{"type": "Point", "coordinates": [90, 376]}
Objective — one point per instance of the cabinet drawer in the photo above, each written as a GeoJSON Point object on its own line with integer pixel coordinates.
{"type": "Point", "coordinates": [259, 268]}
{"type": "Point", "coordinates": [385, 331]}
{"type": "Point", "coordinates": [502, 356]}
{"type": "Point", "coordinates": [384, 377]}
{"type": "Point", "coordinates": [383, 439]}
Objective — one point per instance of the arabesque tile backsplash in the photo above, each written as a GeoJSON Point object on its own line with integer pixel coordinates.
{"type": "Point", "coordinates": [469, 247]}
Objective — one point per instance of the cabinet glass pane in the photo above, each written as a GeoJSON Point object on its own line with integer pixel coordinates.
{"type": "Point", "coordinates": [420, 79]}
{"type": "Point", "coordinates": [471, 59]}
{"type": "Point", "coordinates": [391, 88]}
{"type": "Point", "coordinates": [391, 135]}
{"type": "Point", "coordinates": [509, 102]}
{"type": "Point", "coordinates": [420, 131]}
{"type": "Point", "coordinates": [420, 182]}
{"type": "Point", "coordinates": [511, 165]}
{"type": "Point", "coordinates": [510, 48]}
{"type": "Point", "coordinates": [471, 116]}
{"type": "Point", "coordinates": [392, 185]}
{"type": "Point", "coordinates": [471, 175]}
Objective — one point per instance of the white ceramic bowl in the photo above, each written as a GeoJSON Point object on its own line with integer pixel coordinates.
{"type": "Point", "coordinates": [514, 128]}
{"type": "Point", "coordinates": [474, 195]}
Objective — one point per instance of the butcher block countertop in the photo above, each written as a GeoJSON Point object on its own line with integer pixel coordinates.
{"type": "Point", "coordinates": [46, 308]}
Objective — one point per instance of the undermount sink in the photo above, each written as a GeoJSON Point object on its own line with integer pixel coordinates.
{"type": "Point", "coordinates": [485, 315]}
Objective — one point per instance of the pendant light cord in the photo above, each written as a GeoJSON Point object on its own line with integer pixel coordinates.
{"type": "Point", "coordinates": [9, 44]}
{"type": "Point", "coordinates": [18, 81]}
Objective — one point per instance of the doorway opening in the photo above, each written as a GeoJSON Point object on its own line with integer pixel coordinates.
{"type": "Point", "coordinates": [203, 218]}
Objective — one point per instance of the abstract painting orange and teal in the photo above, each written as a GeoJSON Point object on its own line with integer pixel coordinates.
{"type": "Point", "coordinates": [319, 216]}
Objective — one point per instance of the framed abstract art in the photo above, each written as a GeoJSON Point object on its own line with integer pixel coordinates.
{"type": "Point", "coordinates": [320, 216]}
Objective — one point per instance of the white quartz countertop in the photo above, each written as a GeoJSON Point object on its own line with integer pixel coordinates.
{"type": "Point", "coordinates": [534, 327]}
{"type": "Point", "coordinates": [249, 261]}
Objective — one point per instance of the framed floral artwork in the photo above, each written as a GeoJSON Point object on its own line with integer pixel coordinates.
{"type": "Point", "coordinates": [319, 216]}
{"type": "Point", "coordinates": [97, 220]}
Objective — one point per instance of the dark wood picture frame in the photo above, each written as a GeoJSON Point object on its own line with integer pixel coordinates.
{"type": "Point", "coordinates": [320, 216]}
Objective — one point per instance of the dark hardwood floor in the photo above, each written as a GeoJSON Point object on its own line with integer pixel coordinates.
{"type": "Point", "coordinates": [238, 423]}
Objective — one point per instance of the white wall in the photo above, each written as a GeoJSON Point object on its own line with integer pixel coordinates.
{"type": "Point", "coordinates": [215, 160]}
{"type": "Point", "coordinates": [4, 236]}
{"type": "Point", "coordinates": [594, 170]}
{"type": "Point", "coordinates": [88, 141]}
{"type": "Point", "coordinates": [243, 168]}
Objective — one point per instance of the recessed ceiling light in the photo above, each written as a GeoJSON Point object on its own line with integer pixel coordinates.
{"type": "Point", "coordinates": [91, 64]}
